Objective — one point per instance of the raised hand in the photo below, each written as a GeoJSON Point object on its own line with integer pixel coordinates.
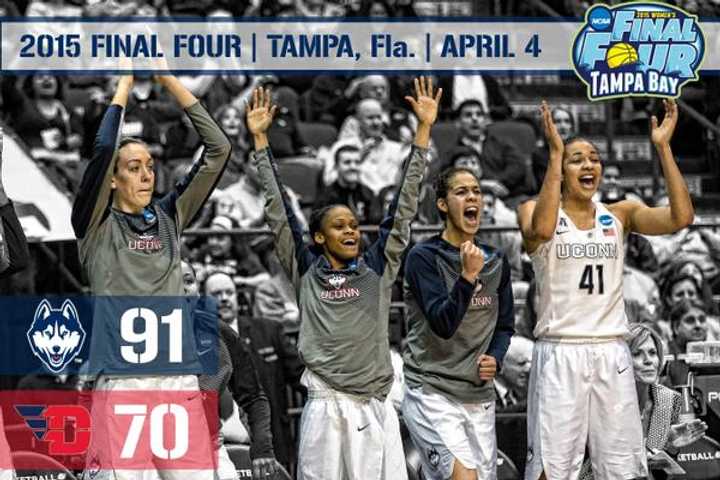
{"type": "Point", "coordinates": [553, 138]}
{"type": "Point", "coordinates": [261, 112]}
{"type": "Point", "coordinates": [425, 105]}
{"type": "Point", "coordinates": [661, 134]}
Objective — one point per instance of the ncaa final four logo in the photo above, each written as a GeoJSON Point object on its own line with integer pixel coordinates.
{"type": "Point", "coordinates": [637, 49]}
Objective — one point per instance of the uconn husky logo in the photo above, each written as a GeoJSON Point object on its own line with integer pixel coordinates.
{"type": "Point", "coordinates": [340, 291]}
{"type": "Point", "coordinates": [56, 335]}
{"type": "Point", "coordinates": [337, 281]}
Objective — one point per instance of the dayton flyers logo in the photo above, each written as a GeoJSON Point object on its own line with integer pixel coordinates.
{"type": "Point", "coordinates": [48, 424]}
{"type": "Point", "coordinates": [637, 49]}
{"type": "Point", "coordinates": [56, 336]}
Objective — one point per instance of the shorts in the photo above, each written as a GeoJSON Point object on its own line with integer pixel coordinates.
{"type": "Point", "coordinates": [584, 393]}
{"type": "Point", "coordinates": [199, 453]}
{"type": "Point", "coordinates": [343, 436]}
{"type": "Point", "coordinates": [445, 430]}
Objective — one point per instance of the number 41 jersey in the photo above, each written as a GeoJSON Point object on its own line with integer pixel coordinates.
{"type": "Point", "coordinates": [579, 277]}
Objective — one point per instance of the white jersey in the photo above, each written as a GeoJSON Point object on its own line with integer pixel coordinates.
{"type": "Point", "coordinates": [580, 280]}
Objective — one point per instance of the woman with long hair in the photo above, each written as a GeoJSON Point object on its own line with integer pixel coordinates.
{"type": "Point", "coordinates": [582, 388]}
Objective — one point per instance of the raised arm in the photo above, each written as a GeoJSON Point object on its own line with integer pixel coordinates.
{"type": "Point", "coordinates": [92, 202]}
{"type": "Point", "coordinates": [640, 218]}
{"type": "Point", "coordinates": [294, 256]}
{"type": "Point", "coordinates": [14, 254]}
{"type": "Point", "coordinates": [385, 254]}
{"type": "Point", "coordinates": [538, 217]}
{"type": "Point", "coordinates": [192, 192]}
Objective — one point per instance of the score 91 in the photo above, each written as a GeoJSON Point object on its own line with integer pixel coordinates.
{"type": "Point", "coordinates": [148, 336]}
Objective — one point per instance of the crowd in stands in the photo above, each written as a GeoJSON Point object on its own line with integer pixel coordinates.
{"type": "Point", "coordinates": [342, 140]}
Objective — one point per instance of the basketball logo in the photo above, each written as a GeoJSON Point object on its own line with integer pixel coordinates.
{"type": "Point", "coordinates": [620, 55]}
{"type": "Point", "coordinates": [637, 49]}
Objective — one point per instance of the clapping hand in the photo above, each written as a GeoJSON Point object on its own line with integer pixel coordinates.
{"type": "Point", "coordinates": [661, 134]}
{"type": "Point", "coordinates": [553, 138]}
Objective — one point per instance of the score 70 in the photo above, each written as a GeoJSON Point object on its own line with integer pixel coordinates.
{"type": "Point", "coordinates": [149, 335]}
{"type": "Point", "coordinates": [157, 431]}
{"type": "Point", "coordinates": [145, 429]}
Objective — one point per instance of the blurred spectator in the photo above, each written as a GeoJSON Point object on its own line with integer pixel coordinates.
{"type": "Point", "coordinates": [215, 91]}
{"type": "Point", "coordinates": [318, 8]}
{"type": "Point", "coordinates": [675, 288]}
{"type": "Point", "coordinates": [376, 9]}
{"type": "Point", "coordinates": [53, 8]}
{"type": "Point", "coordinates": [700, 245]}
{"type": "Point", "coordinates": [348, 189]}
{"type": "Point", "coordinates": [510, 242]}
{"type": "Point", "coordinates": [701, 8]}
{"type": "Point", "coordinates": [641, 289]}
{"type": "Point", "coordinates": [663, 429]}
{"type": "Point", "coordinates": [382, 157]}
{"type": "Point", "coordinates": [483, 89]}
{"type": "Point", "coordinates": [277, 360]}
{"type": "Point", "coordinates": [8, 9]}
{"type": "Point", "coordinates": [275, 298]}
{"type": "Point", "coordinates": [499, 158]}
{"type": "Point", "coordinates": [196, 8]}
{"type": "Point", "coordinates": [567, 127]}
{"type": "Point", "coordinates": [180, 141]}
{"type": "Point", "coordinates": [246, 193]}
{"type": "Point", "coordinates": [526, 326]}
{"type": "Point", "coordinates": [98, 98]}
{"type": "Point", "coordinates": [40, 117]}
{"type": "Point", "coordinates": [146, 112]}
{"type": "Point", "coordinates": [639, 254]}
{"type": "Point", "coordinates": [114, 8]}
{"type": "Point", "coordinates": [235, 259]}
{"type": "Point", "coordinates": [284, 134]}
{"type": "Point", "coordinates": [231, 120]}
{"type": "Point", "coordinates": [324, 102]}
{"type": "Point", "coordinates": [511, 383]}
{"type": "Point", "coordinates": [38, 113]}
{"type": "Point", "coordinates": [689, 324]}
{"type": "Point", "coordinates": [694, 286]}
{"type": "Point", "coordinates": [610, 189]}
{"type": "Point", "coordinates": [400, 124]}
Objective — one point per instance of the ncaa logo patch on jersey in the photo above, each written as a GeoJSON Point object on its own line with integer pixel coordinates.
{"type": "Point", "coordinates": [562, 226]}
{"type": "Point", "coordinates": [605, 220]}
